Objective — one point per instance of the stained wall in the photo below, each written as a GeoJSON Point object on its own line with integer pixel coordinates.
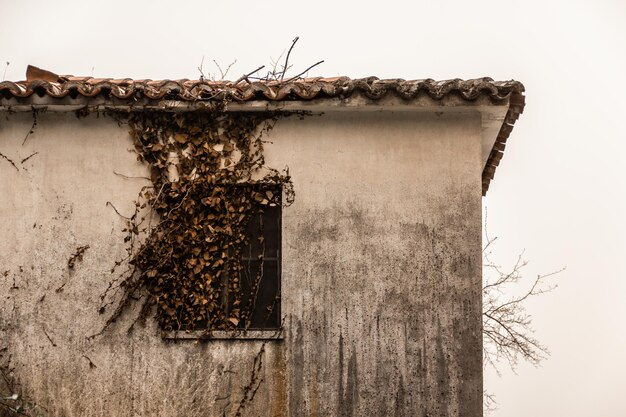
{"type": "Point", "coordinates": [380, 278]}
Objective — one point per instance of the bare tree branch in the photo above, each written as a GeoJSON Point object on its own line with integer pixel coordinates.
{"type": "Point", "coordinates": [5, 71]}
{"type": "Point", "coordinates": [305, 71]}
{"type": "Point", "coordinates": [245, 76]}
{"type": "Point", "coordinates": [286, 66]}
{"type": "Point", "coordinates": [202, 76]}
{"type": "Point", "coordinates": [507, 327]}
{"type": "Point", "coordinates": [223, 74]}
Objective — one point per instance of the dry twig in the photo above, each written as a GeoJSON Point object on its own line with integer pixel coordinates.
{"type": "Point", "coordinates": [10, 161]}
{"type": "Point", "coordinates": [286, 66]}
{"type": "Point", "coordinates": [28, 157]}
{"type": "Point", "coordinates": [507, 327]}
{"type": "Point", "coordinates": [78, 254]}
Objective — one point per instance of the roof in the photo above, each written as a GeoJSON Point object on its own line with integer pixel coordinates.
{"type": "Point", "coordinates": [45, 84]}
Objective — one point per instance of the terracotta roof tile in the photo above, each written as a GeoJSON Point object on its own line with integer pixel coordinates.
{"type": "Point", "coordinates": [45, 83]}
{"type": "Point", "coordinates": [301, 89]}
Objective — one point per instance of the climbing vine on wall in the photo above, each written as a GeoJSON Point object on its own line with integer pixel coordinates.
{"type": "Point", "coordinates": [209, 179]}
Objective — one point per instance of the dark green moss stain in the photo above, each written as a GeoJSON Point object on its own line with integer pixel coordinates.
{"type": "Point", "coordinates": [298, 383]}
{"type": "Point", "coordinates": [400, 406]}
{"type": "Point", "coordinates": [401, 285]}
{"type": "Point", "coordinates": [442, 395]}
{"type": "Point", "coordinates": [352, 387]}
{"type": "Point", "coordinates": [340, 390]}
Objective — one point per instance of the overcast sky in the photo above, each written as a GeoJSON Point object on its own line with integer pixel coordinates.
{"type": "Point", "coordinates": [559, 192]}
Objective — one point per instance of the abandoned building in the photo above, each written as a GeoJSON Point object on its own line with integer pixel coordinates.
{"type": "Point", "coordinates": [323, 260]}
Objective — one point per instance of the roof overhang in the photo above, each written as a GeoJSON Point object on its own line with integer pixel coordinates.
{"type": "Point", "coordinates": [498, 103]}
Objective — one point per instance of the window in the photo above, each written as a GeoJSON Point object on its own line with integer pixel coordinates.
{"type": "Point", "coordinates": [260, 277]}
{"type": "Point", "coordinates": [250, 290]}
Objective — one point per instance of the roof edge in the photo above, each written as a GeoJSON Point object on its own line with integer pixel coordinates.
{"type": "Point", "coordinates": [47, 89]}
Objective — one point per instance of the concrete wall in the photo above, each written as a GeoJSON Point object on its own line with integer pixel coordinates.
{"type": "Point", "coordinates": [381, 275]}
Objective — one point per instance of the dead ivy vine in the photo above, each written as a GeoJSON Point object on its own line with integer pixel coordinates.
{"type": "Point", "coordinates": [209, 178]}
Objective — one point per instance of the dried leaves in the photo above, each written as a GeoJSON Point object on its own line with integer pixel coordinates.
{"type": "Point", "coordinates": [207, 185]}
{"type": "Point", "coordinates": [77, 255]}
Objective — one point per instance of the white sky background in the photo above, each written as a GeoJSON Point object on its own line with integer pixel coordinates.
{"type": "Point", "coordinates": [559, 192]}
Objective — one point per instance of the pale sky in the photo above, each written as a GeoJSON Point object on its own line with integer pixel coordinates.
{"type": "Point", "coordinates": [559, 192]}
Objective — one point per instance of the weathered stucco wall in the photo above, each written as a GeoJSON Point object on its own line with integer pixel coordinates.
{"type": "Point", "coordinates": [381, 275]}
{"type": "Point", "coordinates": [382, 264]}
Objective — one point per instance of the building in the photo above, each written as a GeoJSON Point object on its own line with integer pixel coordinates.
{"type": "Point", "coordinates": [380, 252]}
